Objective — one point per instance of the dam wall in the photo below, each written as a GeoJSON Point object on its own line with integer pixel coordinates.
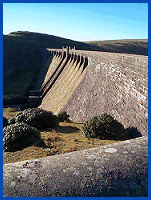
{"type": "Point", "coordinates": [116, 84]}
{"type": "Point", "coordinates": [65, 73]}
{"type": "Point", "coordinates": [88, 83]}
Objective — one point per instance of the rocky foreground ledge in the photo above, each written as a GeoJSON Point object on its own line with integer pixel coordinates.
{"type": "Point", "coordinates": [114, 170]}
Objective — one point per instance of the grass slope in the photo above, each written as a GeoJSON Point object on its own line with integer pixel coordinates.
{"type": "Point", "coordinates": [47, 41]}
{"type": "Point", "coordinates": [21, 62]}
{"type": "Point", "coordinates": [131, 46]}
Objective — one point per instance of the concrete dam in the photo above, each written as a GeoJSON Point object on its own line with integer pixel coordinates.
{"type": "Point", "coordinates": [87, 83]}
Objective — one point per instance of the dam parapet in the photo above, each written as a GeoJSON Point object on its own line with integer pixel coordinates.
{"type": "Point", "coordinates": [114, 170]}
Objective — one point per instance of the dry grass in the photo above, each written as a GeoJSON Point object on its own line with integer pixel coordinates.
{"type": "Point", "coordinates": [9, 112]}
{"type": "Point", "coordinates": [53, 136]}
{"type": "Point", "coordinates": [65, 138]}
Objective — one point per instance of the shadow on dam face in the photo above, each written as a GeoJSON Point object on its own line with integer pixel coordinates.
{"type": "Point", "coordinates": [64, 74]}
{"type": "Point", "coordinates": [46, 60]}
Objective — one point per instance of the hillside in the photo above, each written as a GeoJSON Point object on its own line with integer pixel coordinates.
{"type": "Point", "coordinates": [22, 56]}
{"type": "Point", "coordinates": [47, 41]}
{"type": "Point", "coordinates": [21, 62]}
{"type": "Point", "coordinates": [133, 46]}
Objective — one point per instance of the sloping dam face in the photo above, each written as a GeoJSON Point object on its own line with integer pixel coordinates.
{"type": "Point", "coordinates": [63, 76]}
{"type": "Point", "coordinates": [86, 83]}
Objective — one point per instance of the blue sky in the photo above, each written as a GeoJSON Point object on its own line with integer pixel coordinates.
{"type": "Point", "coordinates": [79, 21]}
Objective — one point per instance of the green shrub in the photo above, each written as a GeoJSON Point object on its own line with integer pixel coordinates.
{"type": "Point", "coordinates": [36, 117]}
{"type": "Point", "coordinates": [104, 127]}
{"type": "Point", "coordinates": [5, 122]}
{"type": "Point", "coordinates": [20, 135]}
{"type": "Point", "coordinates": [63, 116]}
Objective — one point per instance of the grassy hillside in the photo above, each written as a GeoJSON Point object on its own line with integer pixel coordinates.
{"type": "Point", "coordinates": [139, 46]}
{"type": "Point", "coordinates": [46, 41]}
{"type": "Point", "coordinates": [22, 58]}
{"type": "Point", "coordinates": [21, 62]}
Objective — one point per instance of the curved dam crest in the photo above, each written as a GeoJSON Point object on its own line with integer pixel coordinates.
{"type": "Point", "coordinates": [90, 83]}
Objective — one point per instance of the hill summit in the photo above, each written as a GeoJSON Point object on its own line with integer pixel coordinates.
{"type": "Point", "coordinates": [131, 46]}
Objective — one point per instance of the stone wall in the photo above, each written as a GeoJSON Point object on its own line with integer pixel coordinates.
{"type": "Point", "coordinates": [116, 84]}
{"type": "Point", "coordinates": [113, 170]}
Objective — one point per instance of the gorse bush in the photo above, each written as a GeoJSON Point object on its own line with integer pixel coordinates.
{"type": "Point", "coordinates": [63, 116]}
{"type": "Point", "coordinates": [91, 127]}
{"type": "Point", "coordinates": [20, 135]}
{"type": "Point", "coordinates": [5, 122]}
{"type": "Point", "coordinates": [36, 117]}
{"type": "Point", "coordinates": [104, 127]}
